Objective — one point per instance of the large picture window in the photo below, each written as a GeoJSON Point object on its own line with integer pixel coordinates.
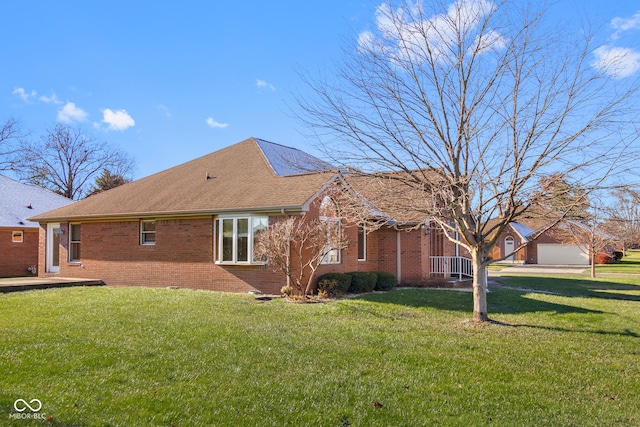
{"type": "Point", "coordinates": [74, 242]}
{"type": "Point", "coordinates": [237, 237]}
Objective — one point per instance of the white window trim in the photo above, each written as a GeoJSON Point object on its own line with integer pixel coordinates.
{"type": "Point", "coordinates": [72, 242]}
{"type": "Point", "coordinates": [218, 229]}
{"type": "Point", "coordinates": [16, 233]}
{"type": "Point", "coordinates": [144, 233]}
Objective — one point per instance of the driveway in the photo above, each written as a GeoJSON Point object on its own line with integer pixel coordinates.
{"type": "Point", "coordinates": [540, 269]}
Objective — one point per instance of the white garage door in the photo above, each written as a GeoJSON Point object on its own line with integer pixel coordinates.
{"type": "Point", "coordinates": [555, 254]}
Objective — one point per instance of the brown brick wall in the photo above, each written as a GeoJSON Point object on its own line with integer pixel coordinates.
{"type": "Point", "coordinates": [15, 257]}
{"type": "Point", "coordinates": [498, 250]}
{"type": "Point", "coordinates": [182, 256]}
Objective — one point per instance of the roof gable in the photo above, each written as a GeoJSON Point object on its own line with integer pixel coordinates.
{"type": "Point", "coordinates": [235, 179]}
{"type": "Point", "coordinates": [19, 201]}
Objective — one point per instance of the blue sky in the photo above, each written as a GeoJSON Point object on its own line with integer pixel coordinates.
{"type": "Point", "coordinates": [169, 81]}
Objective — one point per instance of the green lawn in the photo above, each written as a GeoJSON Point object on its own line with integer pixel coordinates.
{"type": "Point", "coordinates": [137, 357]}
{"type": "Point", "coordinates": [630, 264]}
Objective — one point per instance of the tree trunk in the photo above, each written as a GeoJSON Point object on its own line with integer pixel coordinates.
{"type": "Point", "coordinates": [593, 263]}
{"type": "Point", "coordinates": [479, 286]}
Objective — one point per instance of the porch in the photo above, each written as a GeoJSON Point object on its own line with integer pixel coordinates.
{"type": "Point", "coordinates": [16, 284]}
{"type": "Point", "coordinates": [451, 267]}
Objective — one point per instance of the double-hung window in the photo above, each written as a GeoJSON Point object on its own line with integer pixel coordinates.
{"type": "Point", "coordinates": [147, 232]}
{"type": "Point", "coordinates": [74, 242]}
{"type": "Point", "coordinates": [236, 238]}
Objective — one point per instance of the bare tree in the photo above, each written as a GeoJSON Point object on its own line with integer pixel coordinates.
{"type": "Point", "coordinates": [297, 247]}
{"type": "Point", "coordinates": [468, 105]}
{"type": "Point", "coordinates": [10, 133]}
{"type": "Point", "coordinates": [66, 161]}
{"type": "Point", "coordinates": [624, 216]}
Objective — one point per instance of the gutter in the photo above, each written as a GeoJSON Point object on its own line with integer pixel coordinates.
{"type": "Point", "coordinates": [174, 214]}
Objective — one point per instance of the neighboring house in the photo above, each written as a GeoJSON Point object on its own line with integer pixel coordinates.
{"type": "Point", "coordinates": [549, 248]}
{"type": "Point", "coordinates": [18, 235]}
{"type": "Point", "coordinates": [194, 225]}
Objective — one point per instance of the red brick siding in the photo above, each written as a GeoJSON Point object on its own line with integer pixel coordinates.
{"type": "Point", "coordinates": [182, 256]}
{"type": "Point", "coordinates": [15, 257]}
{"type": "Point", "coordinates": [498, 250]}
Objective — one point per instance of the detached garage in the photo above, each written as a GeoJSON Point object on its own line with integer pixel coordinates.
{"type": "Point", "coordinates": [558, 254]}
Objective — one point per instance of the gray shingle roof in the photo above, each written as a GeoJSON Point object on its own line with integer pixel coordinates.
{"type": "Point", "coordinates": [20, 201]}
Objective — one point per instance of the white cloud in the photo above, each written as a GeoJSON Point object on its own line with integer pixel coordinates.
{"type": "Point", "coordinates": [262, 83]}
{"type": "Point", "coordinates": [625, 24]}
{"type": "Point", "coordinates": [117, 120]}
{"type": "Point", "coordinates": [53, 99]}
{"type": "Point", "coordinates": [617, 62]}
{"type": "Point", "coordinates": [216, 125]}
{"type": "Point", "coordinates": [164, 109]}
{"type": "Point", "coordinates": [24, 95]}
{"type": "Point", "coordinates": [405, 31]}
{"type": "Point", "coordinates": [70, 113]}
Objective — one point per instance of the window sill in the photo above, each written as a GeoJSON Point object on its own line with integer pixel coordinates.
{"type": "Point", "coordinates": [241, 264]}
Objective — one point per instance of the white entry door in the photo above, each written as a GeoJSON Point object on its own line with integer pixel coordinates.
{"type": "Point", "coordinates": [509, 247]}
{"type": "Point", "coordinates": [53, 248]}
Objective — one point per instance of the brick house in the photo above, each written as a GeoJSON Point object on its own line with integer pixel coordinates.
{"type": "Point", "coordinates": [548, 248]}
{"type": "Point", "coordinates": [18, 235]}
{"type": "Point", "coordinates": [193, 225]}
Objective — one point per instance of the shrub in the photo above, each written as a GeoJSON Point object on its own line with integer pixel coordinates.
{"type": "Point", "coordinates": [362, 282]}
{"type": "Point", "coordinates": [329, 288]}
{"type": "Point", "coordinates": [603, 258]}
{"type": "Point", "coordinates": [286, 290]}
{"type": "Point", "coordinates": [385, 282]}
{"type": "Point", "coordinates": [618, 255]}
{"type": "Point", "coordinates": [334, 284]}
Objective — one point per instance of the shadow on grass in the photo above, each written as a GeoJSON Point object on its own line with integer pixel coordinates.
{"type": "Point", "coordinates": [625, 333]}
{"type": "Point", "coordinates": [499, 301]}
{"type": "Point", "coordinates": [574, 287]}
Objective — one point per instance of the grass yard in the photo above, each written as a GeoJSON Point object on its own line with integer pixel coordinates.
{"type": "Point", "coordinates": [630, 264]}
{"type": "Point", "coordinates": [156, 357]}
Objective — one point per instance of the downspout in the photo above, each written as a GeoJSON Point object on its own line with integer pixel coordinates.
{"type": "Point", "coordinates": [458, 260]}
{"type": "Point", "coordinates": [398, 256]}
{"type": "Point", "coordinates": [288, 259]}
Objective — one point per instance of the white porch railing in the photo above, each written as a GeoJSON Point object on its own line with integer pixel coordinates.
{"type": "Point", "coordinates": [451, 266]}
